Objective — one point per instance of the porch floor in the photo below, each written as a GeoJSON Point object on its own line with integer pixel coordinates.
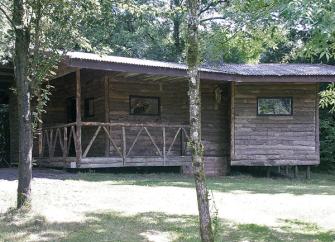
{"type": "Point", "coordinates": [107, 162]}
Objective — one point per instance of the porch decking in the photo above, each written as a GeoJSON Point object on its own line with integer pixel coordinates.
{"type": "Point", "coordinates": [113, 145]}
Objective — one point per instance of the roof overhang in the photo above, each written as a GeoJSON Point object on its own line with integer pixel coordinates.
{"type": "Point", "coordinates": [229, 73]}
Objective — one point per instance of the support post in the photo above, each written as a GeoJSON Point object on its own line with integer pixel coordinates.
{"type": "Point", "coordinates": [78, 117]}
{"type": "Point", "coordinates": [296, 171]}
{"type": "Point", "coordinates": [268, 171]}
{"type": "Point", "coordinates": [164, 145]}
{"type": "Point", "coordinates": [308, 172]}
{"type": "Point", "coordinates": [65, 144]}
{"type": "Point", "coordinates": [181, 143]}
{"type": "Point", "coordinates": [286, 170]}
{"type": "Point", "coordinates": [40, 143]}
{"type": "Point", "coordinates": [124, 149]}
{"type": "Point", "coordinates": [107, 140]}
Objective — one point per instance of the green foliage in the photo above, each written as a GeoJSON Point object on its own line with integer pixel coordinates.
{"type": "Point", "coordinates": [328, 98]}
{"type": "Point", "coordinates": [327, 140]}
{"type": "Point", "coordinates": [134, 28]}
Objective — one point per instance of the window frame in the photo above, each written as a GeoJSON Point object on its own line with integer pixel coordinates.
{"type": "Point", "coordinates": [87, 105]}
{"type": "Point", "coordinates": [151, 97]}
{"type": "Point", "coordinates": [274, 97]}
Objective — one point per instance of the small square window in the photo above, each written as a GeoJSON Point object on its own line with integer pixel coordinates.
{"type": "Point", "coordinates": [274, 106]}
{"type": "Point", "coordinates": [89, 107]}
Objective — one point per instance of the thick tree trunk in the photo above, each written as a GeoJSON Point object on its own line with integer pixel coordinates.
{"type": "Point", "coordinates": [23, 95]}
{"type": "Point", "coordinates": [206, 231]}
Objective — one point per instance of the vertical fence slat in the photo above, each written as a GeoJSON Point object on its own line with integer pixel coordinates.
{"type": "Point", "coordinates": [124, 149]}
{"type": "Point", "coordinates": [65, 143]}
{"type": "Point", "coordinates": [164, 145]}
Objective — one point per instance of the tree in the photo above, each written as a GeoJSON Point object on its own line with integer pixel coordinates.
{"type": "Point", "coordinates": [193, 61]}
{"type": "Point", "coordinates": [22, 41]}
{"type": "Point", "coordinates": [41, 31]}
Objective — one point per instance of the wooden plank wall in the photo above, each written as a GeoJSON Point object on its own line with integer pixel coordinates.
{"type": "Point", "coordinates": [270, 140]}
{"type": "Point", "coordinates": [174, 109]}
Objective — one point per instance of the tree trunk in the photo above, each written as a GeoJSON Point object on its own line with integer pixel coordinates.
{"type": "Point", "coordinates": [22, 39]}
{"type": "Point", "coordinates": [206, 231]}
{"type": "Point", "coordinates": [177, 21]}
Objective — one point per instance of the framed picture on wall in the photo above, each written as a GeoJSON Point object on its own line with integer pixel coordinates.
{"type": "Point", "coordinates": [141, 105]}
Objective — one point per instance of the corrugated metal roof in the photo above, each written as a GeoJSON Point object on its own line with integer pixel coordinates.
{"type": "Point", "coordinates": [230, 69]}
{"type": "Point", "coordinates": [131, 61]}
{"type": "Point", "coordinates": [280, 69]}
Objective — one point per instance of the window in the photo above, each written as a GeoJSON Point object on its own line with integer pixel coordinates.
{"type": "Point", "coordinates": [274, 106]}
{"type": "Point", "coordinates": [89, 107]}
{"type": "Point", "coordinates": [139, 105]}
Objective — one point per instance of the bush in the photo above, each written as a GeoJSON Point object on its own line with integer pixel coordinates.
{"type": "Point", "coordinates": [327, 140]}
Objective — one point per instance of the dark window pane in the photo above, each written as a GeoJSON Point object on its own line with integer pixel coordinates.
{"type": "Point", "coordinates": [89, 107]}
{"type": "Point", "coordinates": [274, 106]}
{"type": "Point", "coordinates": [144, 105]}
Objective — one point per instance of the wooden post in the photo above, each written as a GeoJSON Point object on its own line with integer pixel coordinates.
{"type": "Point", "coordinates": [40, 143]}
{"type": "Point", "coordinates": [124, 149]}
{"type": "Point", "coordinates": [78, 117]}
{"type": "Point", "coordinates": [232, 121]}
{"type": "Point", "coordinates": [308, 172]}
{"type": "Point", "coordinates": [317, 122]}
{"type": "Point", "coordinates": [286, 170]}
{"type": "Point", "coordinates": [181, 143]}
{"type": "Point", "coordinates": [107, 140]}
{"type": "Point", "coordinates": [268, 171]}
{"type": "Point", "coordinates": [164, 145]}
{"type": "Point", "coordinates": [296, 171]}
{"type": "Point", "coordinates": [65, 144]}
{"type": "Point", "coordinates": [279, 170]}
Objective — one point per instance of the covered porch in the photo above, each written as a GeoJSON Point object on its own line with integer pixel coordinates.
{"type": "Point", "coordinates": [94, 119]}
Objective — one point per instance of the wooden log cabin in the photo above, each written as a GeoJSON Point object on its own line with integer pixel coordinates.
{"type": "Point", "coordinates": [109, 111]}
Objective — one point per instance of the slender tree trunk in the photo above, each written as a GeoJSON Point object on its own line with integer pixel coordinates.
{"type": "Point", "coordinates": [22, 40]}
{"type": "Point", "coordinates": [177, 21]}
{"type": "Point", "coordinates": [206, 231]}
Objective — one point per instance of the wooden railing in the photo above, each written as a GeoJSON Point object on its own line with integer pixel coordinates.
{"type": "Point", "coordinates": [122, 140]}
{"type": "Point", "coordinates": [61, 136]}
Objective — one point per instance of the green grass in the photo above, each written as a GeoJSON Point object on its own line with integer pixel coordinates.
{"type": "Point", "coordinates": [319, 184]}
{"type": "Point", "coordinates": [111, 226]}
{"type": "Point", "coordinates": [115, 226]}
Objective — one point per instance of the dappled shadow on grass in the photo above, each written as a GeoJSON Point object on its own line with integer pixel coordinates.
{"type": "Point", "coordinates": [113, 226]}
{"type": "Point", "coordinates": [320, 184]}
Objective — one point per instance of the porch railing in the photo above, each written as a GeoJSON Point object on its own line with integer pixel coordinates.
{"type": "Point", "coordinates": [118, 140]}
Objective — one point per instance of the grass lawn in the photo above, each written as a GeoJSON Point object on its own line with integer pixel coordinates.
{"type": "Point", "coordinates": [162, 207]}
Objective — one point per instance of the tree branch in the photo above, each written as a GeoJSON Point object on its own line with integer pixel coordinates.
{"type": "Point", "coordinates": [2, 9]}
{"type": "Point", "coordinates": [211, 18]}
{"type": "Point", "coordinates": [211, 4]}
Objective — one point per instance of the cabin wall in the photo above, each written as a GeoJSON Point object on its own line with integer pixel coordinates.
{"type": "Point", "coordinates": [111, 104]}
{"type": "Point", "coordinates": [174, 109]}
{"type": "Point", "coordinates": [274, 140]}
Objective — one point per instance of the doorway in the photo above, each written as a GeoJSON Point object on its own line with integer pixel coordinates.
{"type": "Point", "coordinates": [4, 136]}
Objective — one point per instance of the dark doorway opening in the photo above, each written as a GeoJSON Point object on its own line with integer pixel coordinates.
{"type": "Point", "coordinates": [4, 133]}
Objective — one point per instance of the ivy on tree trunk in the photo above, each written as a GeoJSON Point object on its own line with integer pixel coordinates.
{"type": "Point", "coordinates": [22, 40]}
{"type": "Point", "coordinates": [197, 147]}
